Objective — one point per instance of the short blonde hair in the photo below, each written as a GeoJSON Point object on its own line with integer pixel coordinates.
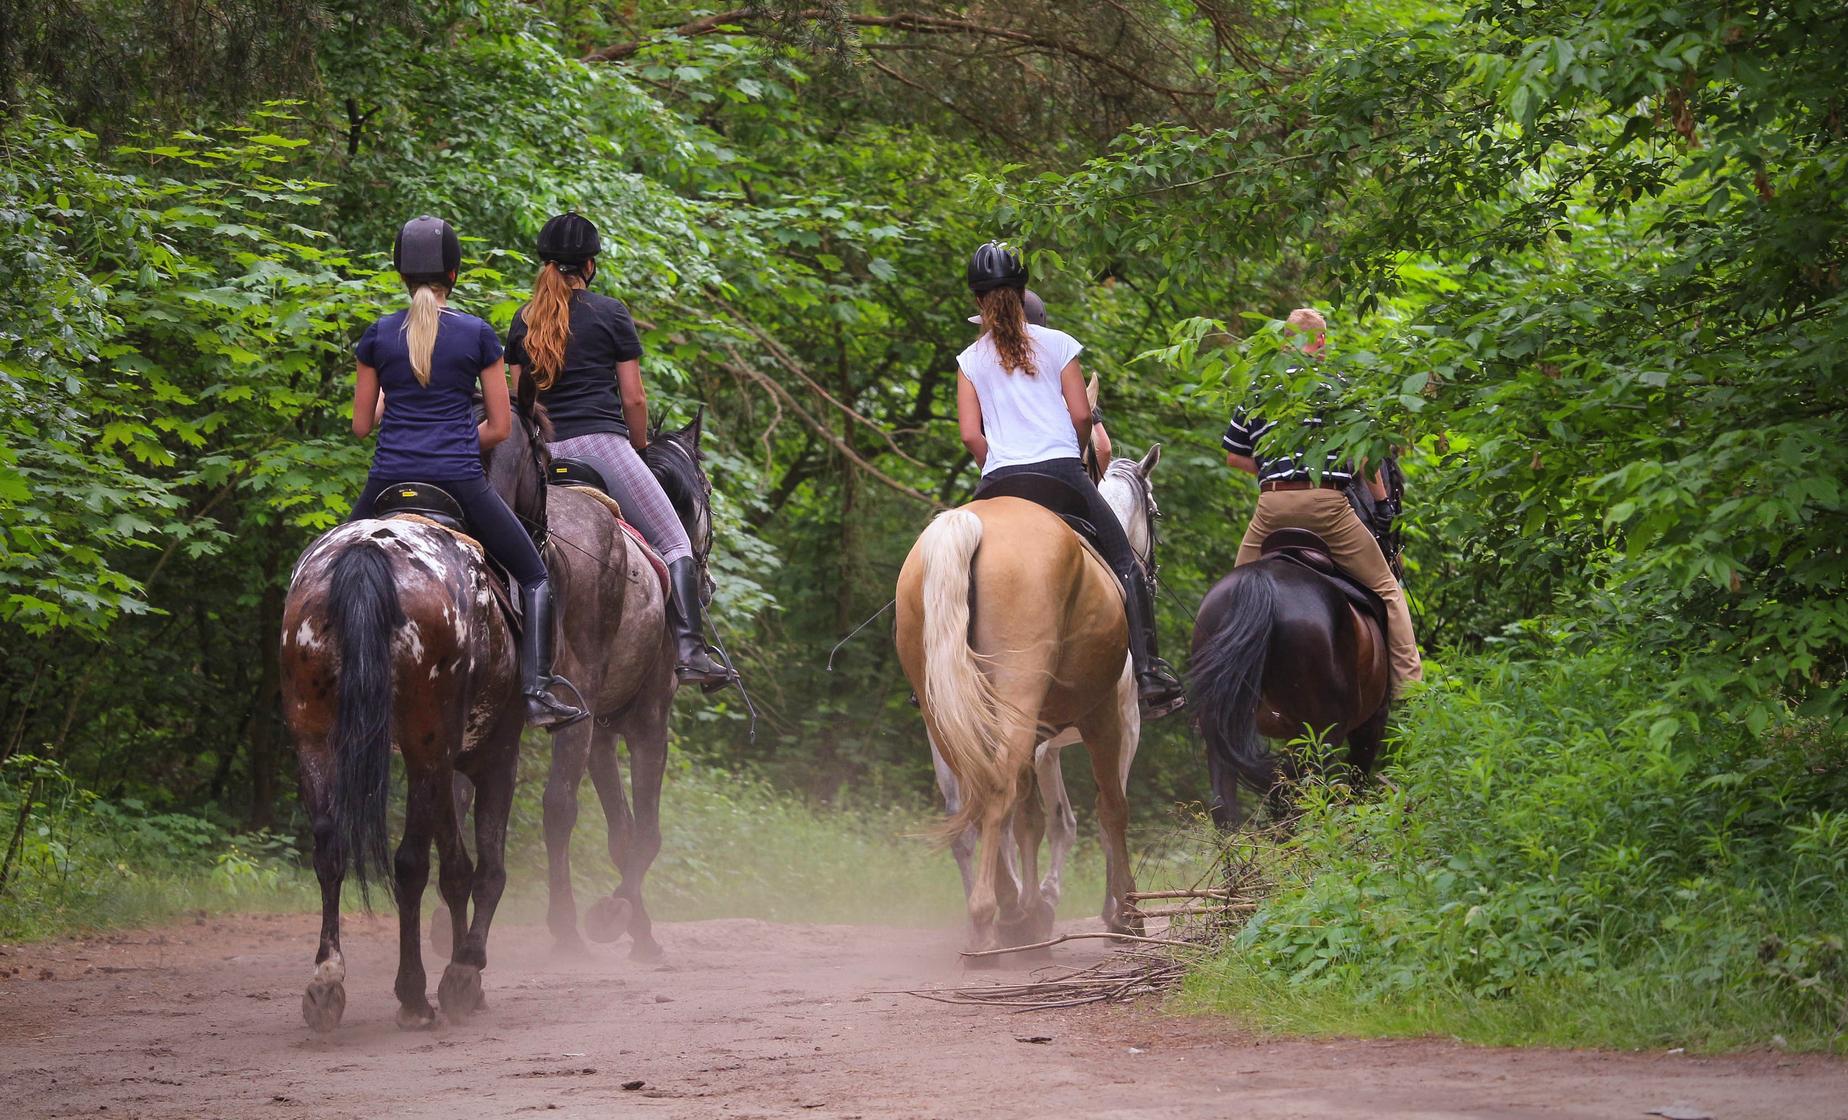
{"type": "Point", "coordinates": [1307, 320]}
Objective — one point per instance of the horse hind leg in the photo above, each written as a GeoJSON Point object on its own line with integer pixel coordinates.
{"type": "Point", "coordinates": [1104, 739]}
{"type": "Point", "coordinates": [608, 918]}
{"type": "Point", "coordinates": [460, 992]}
{"type": "Point", "coordinates": [647, 770]}
{"type": "Point", "coordinates": [449, 922]}
{"type": "Point", "coordinates": [1062, 824]}
{"type": "Point", "coordinates": [324, 1001]}
{"type": "Point", "coordinates": [411, 868]}
{"type": "Point", "coordinates": [456, 873]}
{"type": "Point", "coordinates": [1029, 828]}
{"type": "Point", "coordinates": [963, 846]}
{"type": "Point", "coordinates": [570, 751]}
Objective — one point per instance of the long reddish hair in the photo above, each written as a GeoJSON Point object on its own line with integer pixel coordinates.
{"type": "Point", "coordinates": [548, 324]}
{"type": "Point", "coordinates": [1004, 317]}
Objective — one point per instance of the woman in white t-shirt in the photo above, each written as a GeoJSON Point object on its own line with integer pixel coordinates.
{"type": "Point", "coordinates": [1022, 409]}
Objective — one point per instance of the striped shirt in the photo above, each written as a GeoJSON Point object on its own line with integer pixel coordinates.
{"type": "Point", "coordinates": [1247, 432]}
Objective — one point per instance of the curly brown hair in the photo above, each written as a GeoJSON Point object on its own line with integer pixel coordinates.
{"type": "Point", "coordinates": [1004, 318]}
{"type": "Point", "coordinates": [548, 324]}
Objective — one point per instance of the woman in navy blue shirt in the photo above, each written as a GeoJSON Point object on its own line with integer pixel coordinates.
{"type": "Point", "coordinates": [418, 371]}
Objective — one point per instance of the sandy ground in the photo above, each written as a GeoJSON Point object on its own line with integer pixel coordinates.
{"type": "Point", "coordinates": [745, 1019]}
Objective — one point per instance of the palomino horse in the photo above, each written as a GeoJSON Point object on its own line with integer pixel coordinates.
{"type": "Point", "coordinates": [1280, 650]}
{"type": "Point", "coordinates": [393, 637]}
{"type": "Point", "coordinates": [615, 643]}
{"type": "Point", "coordinates": [1004, 644]}
{"type": "Point", "coordinates": [1126, 486]}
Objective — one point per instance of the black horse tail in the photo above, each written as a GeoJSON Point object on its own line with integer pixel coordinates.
{"type": "Point", "coordinates": [1228, 673]}
{"type": "Point", "coordinates": [364, 609]}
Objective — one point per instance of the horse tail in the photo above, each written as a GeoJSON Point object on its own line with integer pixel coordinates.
{"type": "Point", "coordinates": [967, 713]}
{"type": "Point", "coordinates": [364, 612]}
{"type": "Point", "coordinates": [1228, 674]}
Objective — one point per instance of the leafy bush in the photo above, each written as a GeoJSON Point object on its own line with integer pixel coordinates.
{"type": "Point", "coordinates": [76, 861]}
{"type": "Point", "coordinates": [1560, 831]}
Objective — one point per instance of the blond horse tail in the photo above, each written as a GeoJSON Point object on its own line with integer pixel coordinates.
{"type": "Point", "coordinates": [967, 714]}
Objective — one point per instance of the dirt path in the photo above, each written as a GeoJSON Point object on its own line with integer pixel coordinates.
{"type": "Point", "coordinates": [745, 1019]}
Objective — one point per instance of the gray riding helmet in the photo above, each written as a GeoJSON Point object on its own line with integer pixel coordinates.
{"type": "Point", "coordinates": [426, 246]}
{"type": "Point", "coordinates": [1035, 307]}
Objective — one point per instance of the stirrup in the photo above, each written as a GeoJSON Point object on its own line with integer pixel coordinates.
{"type": "Point", "coordinates": [719, 675]}
{"type": "Point", "coordinates": [1160, 693]}
{"type": "Point", "coordinates": [561, 714]}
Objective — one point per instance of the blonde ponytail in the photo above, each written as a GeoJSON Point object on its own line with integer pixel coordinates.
{"type": "Point", "coordinates": [420, 329]}
{"type": "Point", "coordinates": [548, 325]}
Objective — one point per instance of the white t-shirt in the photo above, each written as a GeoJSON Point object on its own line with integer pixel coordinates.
{"type": "Point", "coordinates": [1023, 415]}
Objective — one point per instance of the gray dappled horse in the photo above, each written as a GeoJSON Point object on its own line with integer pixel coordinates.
{"type": "Point", "coordinates": [1126, 486]}
{"type": "Point", "coordinates": [615, 642]}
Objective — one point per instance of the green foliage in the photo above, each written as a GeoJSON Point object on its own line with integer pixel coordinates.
{"type": "Point", "coordinates": [78, 862]}
{"type": "Point", "coordinates": [1553, 827]}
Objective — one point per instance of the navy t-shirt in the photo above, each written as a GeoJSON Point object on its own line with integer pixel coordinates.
{"type": "Point", "coordinates": [584, 398]}
{"type": "Point", "coordinates": [428, 433]}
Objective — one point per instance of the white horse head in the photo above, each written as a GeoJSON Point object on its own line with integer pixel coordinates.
{"type": "Point", "coordinates": [1127, 488]}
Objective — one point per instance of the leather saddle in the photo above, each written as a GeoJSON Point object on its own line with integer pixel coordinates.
{"type": "Point", "coordinates": [1306, 548]}
{"type": "Point", "coordinates": [433, 503]}
{"type": "Point", "coordinates": [425, 499]}
{"type": "Point", "coordinates": [576, 472]}
{"type": "Point", "coordinates": [1050, 492]}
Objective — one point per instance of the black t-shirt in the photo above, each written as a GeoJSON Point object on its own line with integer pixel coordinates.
{"type": "Point", "coordinates": [584, 398]}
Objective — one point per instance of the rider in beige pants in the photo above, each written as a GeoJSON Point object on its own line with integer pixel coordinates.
{"type": "Point", "coordinates": [1289, 497]}
{"type": "Point", "coordinates": [1328, 513]}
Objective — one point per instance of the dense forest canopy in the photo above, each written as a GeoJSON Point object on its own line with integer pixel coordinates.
{"type": "Point", "coordinates": [1583, 264]}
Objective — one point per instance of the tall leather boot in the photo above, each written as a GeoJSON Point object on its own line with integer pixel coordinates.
{"type": "Point", "coordinates": [1156, 683]}
{"type": "Point", "coordinates": [536, 679]}
{"type": "Point", "coordinates": [693, 661]}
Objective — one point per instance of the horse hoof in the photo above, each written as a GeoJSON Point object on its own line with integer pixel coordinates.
{"type": "Point", "coordinates": [460, 992]}
{"type": "Point", "coordinates": [323, 1004]}
{"type": "Point", "coordinates": [647, 950]}
{"type": "Point", "coordinates": [608, 919]}
{"type": "Point", "coordinates": [416, 1018]}
{"type": "Point", "coordinates": [442, 933]}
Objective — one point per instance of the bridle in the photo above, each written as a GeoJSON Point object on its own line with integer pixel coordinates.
{"type": "Point", "coordinates": [1151, 512]}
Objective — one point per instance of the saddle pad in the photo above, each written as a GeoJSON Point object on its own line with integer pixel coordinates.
{"type": "Point", "coordinates": [654, 558]}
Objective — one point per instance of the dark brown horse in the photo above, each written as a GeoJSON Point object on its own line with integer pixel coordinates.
{"type": "Point", "coordinates": [616, 644]}
{"type": "Point", "coordinates": [1280, 650]}
{"type": "Point", "coordinates": [394, 637]}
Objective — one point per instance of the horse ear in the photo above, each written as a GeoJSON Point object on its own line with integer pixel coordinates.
{"type": "Point", "coordinates": [1147, 463]}
{"type": "Point", "coordinates": [1090, 392]}
{"type": "Point", "coordinates": [698, 426]}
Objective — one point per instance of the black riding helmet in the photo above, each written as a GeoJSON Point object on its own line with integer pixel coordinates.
{"type": "Point", "coordinates": [426, 246]}
{"type": "Point", "coordinates": [994, 265]}
{"type": "Point", "coordinates": [569, 238]}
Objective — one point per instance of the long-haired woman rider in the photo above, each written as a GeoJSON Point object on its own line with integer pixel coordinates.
{"type": "Point", "coordinates": [583, 357]}
{"type": "Point", "coordinates": [427, 361]}
{"type": "Point", "coordinates": [1022, 409]}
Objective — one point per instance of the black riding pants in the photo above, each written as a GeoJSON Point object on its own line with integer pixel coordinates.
{"type": "Point", "coordinates": [1112, 542]}
{"type": "Point", "coordinates": [489, 519]}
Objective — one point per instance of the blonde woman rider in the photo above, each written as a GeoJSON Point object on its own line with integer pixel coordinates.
{"type": "Point", "coordinates": [418, 372]}
{"type": "Point", "coordinates": [1022, 409]}
{"type": "Point", "coordinates": [584, 358]}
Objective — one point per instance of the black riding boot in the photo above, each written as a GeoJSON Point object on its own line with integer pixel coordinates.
{"type": "Point", "coordinates": [693, 661]}
{"type": "Point", "coordinates": [1156, 682]}
{"type": "Point", "coordinates": [536, 679]}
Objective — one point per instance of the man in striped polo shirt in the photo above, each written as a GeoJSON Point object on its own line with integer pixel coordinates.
{"type": "Point", "coordinates": [1289, 497]}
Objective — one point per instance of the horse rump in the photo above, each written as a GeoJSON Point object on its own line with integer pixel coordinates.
{"type": "Point", "coordinates": [364, 613]}
{"type": "Point", "coordinates": [1227, 670]}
